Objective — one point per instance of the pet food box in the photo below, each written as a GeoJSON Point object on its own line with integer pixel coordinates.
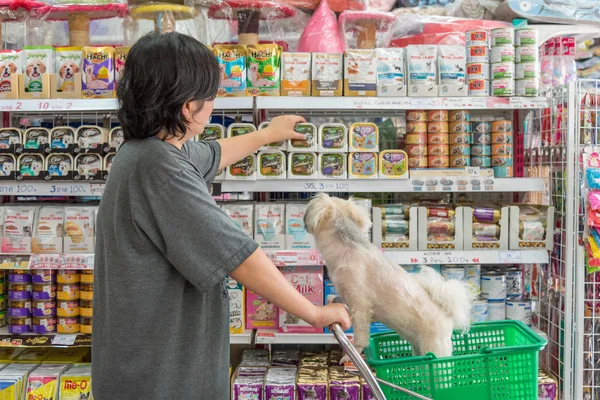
{"type": "Point", "coordinates": [327, 74]}
{"type": "Point", "coordinates": [360, 77]}
{"type": "Point", "coordinates": [260, 313]}
{"type": "Point", "coordinates": [296, 236]}
{"type": "Point", "coordinates": [391, 73]}
{"type": "Point", "coordinates": [232, 66]}
{"type": "Point", "coordinates": [308, 281]}
{"type": "Point", "coordinates": [269, 225]}
{"type": "Point", "coordinates": [437, 231]}
{"type": "Point", "coordinates": [452, 66]}
{"type": "Point", "coordinates": [395, 227]}
{"type": "Point", "coordinates": [485, 227]}
{"type": "Point", "coordinates": [531, 227]}
{"type": "Point", "coordinates": [295, 75]}
{"type": "Point", "coordinates": [422, 70]}
{"type": "Point", "coordinates": [236, 291]}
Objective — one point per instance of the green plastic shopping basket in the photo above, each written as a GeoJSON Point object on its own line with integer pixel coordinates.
{"type": "Point", "coordinates": [493, 361]}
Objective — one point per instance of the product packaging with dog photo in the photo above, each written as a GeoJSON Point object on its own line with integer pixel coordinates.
{"type": "Point", "coordinates": [39, 60]}
{"type": "Point", "coordinates": [59, 166]}
{"type": "Point", "coordinates": [264, 61]}
{"type": "Point", "coordinates": [98, 77]}
{"type": "Point", "coordinates": [11, 63]}
{"type": "Point", "coordinates": [308, 280]}
{"type": "Point", "coordinates": [68, 63]}
{"type": "Point", "coordinates": [62, 140]}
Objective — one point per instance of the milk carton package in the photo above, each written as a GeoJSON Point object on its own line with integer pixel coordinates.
{"type": "Point", "coordinates": [452, 64]}
{"type": "Point", "coordinates": [269, 226]}
{"type": "Point", "coordinates": [391, 73]}
{"type": "Point", "coordinates": [308, 281]}
{"type": "Point", "coordinates": [296, 236]}
{"type": "Point", "coordinates": [422, 70]}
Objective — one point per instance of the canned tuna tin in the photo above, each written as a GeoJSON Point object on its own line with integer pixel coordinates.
{"type": "Point", "coordinates": [502, 126]}
{"type": "Point", "coordinates": [479, 87]}
{"type": "Point", "coordinates": [481, 161]}
{"type": "Point", "coordinates": [481, 138]}
{"type": "Point", "coordinates": [526, 54]}
{"type": "Point", "coordinates": [503, 87]}
{"type": "Point", "coordinates": [493, 286]}
{"type": "Point", "coordinates": [438, 138]}
{"type": "Point", "coordinates": [456, 273]}
{"type": "Point", "coordinates": [437, 115]}
{"type": "Point", "coordinates": [514, 283]}
{"type": "Point", "coordinates": [438, 161]}
{"type": "Point", "coordinates": [503, 172]}
{"type": "Point", "coordinates": [416, 127]}
{"type": "Point", "coordinates": [505, 53]}
{"type": "Point", "coordinates": [460, 127]}
{"type": "Point", "coordinates": [416, 115]}
{"type": "Point", "coordinates": [502, 161]}
{"type": "Point", "coordinates": [473, 278]}
{"type": "Point", "coordinates": [481, 127]}
{"type": "Point", "coordinates": [527, 87]}
{"type": "Point", "coordinates": [481, 149]}
{"type": "Point", "coordinates": [478, 71]}
{"type": "Point", "coordinates": [437, 127]}
{"type": "Point", "coordinates": [503, 70]}
{"type": "Point", "coordinates": [460, 150]}
{"type": "Point", "coordinates": [496, 310]}
{"type": "Point", "coordinates": [459, 116]}
{"type": "Point", "coordinates": [526, 37]}
{"type": "Point", "coordinates": [417, 162]}
{"type": "Point", "coordinates": [477, 37]}
{"type": "Point", "coordinates": [438, 150]}
{"type": "Point", "coordinates": [527, 70]}
{"type": "Point", "coordinates": [459, 138]}
{"type": "Point", "coordinates": [502, 36]}
{"type": "Point", "coordinates": [416, 138]}
{"type": "Point", "coordinates": [519, 310]}
{"type": "Point", "coordinates": [479, 310]}
{"type": "Point", "coordinates": [502, 149]}
{"type": "Point", "coordinates": [416, 149]}
{"type": "Point", "coordinates": [478, 54]}
{"type": "Point", "coordinates": [460, 161]}
{"type": "Point", "coordinates": [501, 137]}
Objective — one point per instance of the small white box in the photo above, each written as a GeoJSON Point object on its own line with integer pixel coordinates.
{"type": "Point", "coordinates": [302, 165]}
{"type": "Point", "coordinates": [413, 233]}
{"type": "Point", "coordinates": [271, 165]}
{"type": "Point", "coordinates": [516, 242]}
{"type": "Point", "coordinates": [242, 170]}
{"type": "Point", "coordinates": [500, 244]}
{"type": "Point", "coordinates": [296, 237]}
{"type": "Point", "coordinates": [423, 240]}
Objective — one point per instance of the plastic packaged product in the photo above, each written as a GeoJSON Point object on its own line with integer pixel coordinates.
{"type": "Point", "coordinates": [308, 280]}
{"type": "Point", "coordinates": [9, 137]}
{"type": "Point", "coordinates": [35, 139]}
{"type": "Point", "coordinates": [333, 137]}
{"type": "Point", "coordinates": [39, 60]}
{"type": "Point", "coordinates": [17, 229]}
{"type": "Point", "coordinates": [503, 70]}
{"type": "Point", "coordinates": [121, 54]}
{"type": "Point", "coordinates": [263, 63]}
{"type": "Point", "coordinates": [212, 132]}
{"type": "Point", "coordinates": [503, 53]}
{"type": "Point", "coordinates": [296, 74]}
{"type": "Point", "coordinates": [48, 232]}
{"type": "Point", "coordinates": [11, 62]}
{"type": "Point", "coordinates": [526, 54]}
{"type": "Point", "coordinates": [68, 63]}
{"type": "Point", "coordinates": [332, 166]}
{"type": "Point", "coordinates": [322, 33]}
{"type": "Point", "coordinates": [310, 133]}
{"type": "Point", "coordinates": [269, 225]}
{"type": "Point", "coordinates": [271, 165]}
{"type": "Point", "coordinates": [526, 37]}
{"type": "Point", "coordinates": [31, 165]}
{"type": "Point", "coordinates": [393, 164]}
{"type": "Point", "coordinates": [364, 136]}
{"type": "Point", "coordinates": [62, 138]}
{"type": "Point", "coordinates": [302, 165]}
{"type": "Point", "coordinates": [452, 65]}
{"type": "Point", "coordinates": [479, 87]}
{"type": "Point", "coordinates": [362, 166]}
{"type": "Point", "coordinates": [75, 384]}
{"type": "Point", "coordinates": [502, 36]}
{"type": "Point", "coordinates": [260, 313]}
{"type": "Point", "coordinates": [88, 166]}
{"type": "Point", "coordinates": [232, 65]}
{"type": "Point", "coordinates": [477, 37]}
{"type": "Point", "coordinates": [360, 77]}
{"type": "Point", "coordinates": [59, 165]}
{"type": "Point", "coordinates": [391, 80]}
{"type": "Point", "coordinates": [478, 54]}
{"type": "Point", "coordinates": [98, 78]}
{"type": "Point", "coordinates": [8, 163]}
{"type": "Point", "coordinates": [503, 87]}
{"type": "Point", "coordinates": [296, 236]}
{"type": "Point", "coordinates": [240, 128]}
{"type": "Point", "coordinates": [244, 169]}
{"type": "Point", "coordinates": [242, 215]}
{"type": "Point", "coordinates": [90, 137]}
{"type": "Point", "coordinates": [79, 230]}
{"type": "Point", "coordinates": [327, 74]}
{"type": "Point", "coordinates": [422, 70]}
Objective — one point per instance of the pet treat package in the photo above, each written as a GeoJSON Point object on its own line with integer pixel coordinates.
{"type": "Point", "coordinates": [8, 163]}
{"type": "Point", "coordinates": [240, 128]}
{"type": "Point", "coordinates": [59, 166]}
{"type": "Point", "coordinates": [115, 138]}
{"type": "Point", "coordinates": [362, 166]}
{"type": "Point", "coordinates": [263, 63]}
{"type": "Point", "coordinates": [36, 139]}
{"type": "Point", "coordinates": [17, 229]}
{"type": "Point", "coordinates": [31, 166]}
{"type": "Point", "coordinates": [212, 132]}
{"type": "Point", "coordinates": [242, 215]}
{"type": "Point", "coordinates": [98, 77]}
{"type": "Point", "coordinates": [79, 230]}
{"type": "Point", "coordinates": [364, 136]}
{"type": "Point", "coordinates": [11, 62]}
{"type": "Point", "coordinates": [76, 383]}
{"type": "Point", "coordinates": [236, 306]}
{"type": "Point", "coordinates": [329, 295]}
{"type": "Point", "coordinates": [391, 73]}
{"type": "Point", "coordinates": [68, 63]}
{"type": "Point", "coordinates": [48, 232]}
{"type": "Point", "coordinates": [38, 60]}
{"type": "Point", "coordinates": [43, 383]}
{"type": "Point", "coordinates": [332, 166]}
{"type": "Point", "coordinates": [296, 236]}
{"type": "Point", "coordinates": [90, 138]}
{"type": "Point", "coordinates": [62, 138]}
{"type": "Point", "coordinates": [232, 65]}
{"type": "Point", "coordinates": [121, 54]}
{"type": "Point", "coordinates": [244, 169]}
{"type": "Point", "coordinates": [310, 133]}
{"type": "Point", "coordinates": [327, 74]}
{"type": "Point", "coordinates": [88, 166]}
{"type": "Point", "coordinates": [9, 139]}
{"type": "Point", "coordinates": [295, 78]}
{"type": "Point", "coordinates": [302, 165]}
{"type": "Point", "coordinates": [269, 225]}
{"type": "Point", "coordinates": [260, 313]}
{"type": "Point", "coordinates": [360, 77]}
{"type": "Point", "coordinates": [422, 70]}
{"type": "Point", "coordinates": [333, 138]}
{"type": "Point", "coordinates": [452, 64]}
{"type": "Point", "coordinates": [308, 280]}
{"type": "Point", "coordinates": [271, 165]}
{"type": "Point", "coordinates": [393, 164]}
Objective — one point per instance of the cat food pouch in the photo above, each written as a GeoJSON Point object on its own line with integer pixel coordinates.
{"type": "Point", "coordinates": [263, 64]}
{"type": "Point", "coordinates": [391, 73]}
{"type": "Point", "coordinates": [360, 77]}
{"type": "Point", "coordinates": [308, 280]}
{"type": "Point", "coordinates": [296, 236]}
{"type": "Point", "coordinates": [68, 63]}
{"type": "Point", "coordinates": [98, 77]}
{"type": "Point", "coordinates": [242, 215]}
{"type": "Point", "coordinates": [48, 233]}
{"type": "Point", "coordinates": [79, 230]}
{"type": "Point", "coordinates": [11, 62]}
{"type": "Point", "coordinates": [269, 225]}
{"type": "Point", "coordinates": [327, 74]}
{"type": "Point", "coordinates": [18, 229]}
{"type": "Point", "coordinates": [232, 66]}
{"type": "Point", "coordinates": [295, 78]}
{"type": "Point", "coordinates": [121, 54]}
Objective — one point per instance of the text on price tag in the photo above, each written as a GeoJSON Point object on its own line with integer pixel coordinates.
{"type": "Point", "coordinates": [509, 257]}
{"type": "Point", "coordinates": [64, 339]}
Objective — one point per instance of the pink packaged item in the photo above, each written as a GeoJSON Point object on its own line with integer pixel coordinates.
{"type": "Point", "coordinates": [307, 280]}
{"type": "Point", "coordinates": [594, 200]}
{"type": "Point", "coordinates": [260, 313]}
{"type": "Point", "coordinates": [322, 34]}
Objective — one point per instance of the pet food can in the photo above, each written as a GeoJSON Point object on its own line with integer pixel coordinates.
{"type": "Point", "coordinates": [502, 36]}
{"type": "Point", "coordinates": [519, 309]}
{"type": "Point", "coordinates": [502, 161]}
{"type": "Point", "coordinates": [481, 127]}
{"type": "Point", "coordinates": [440, 212]}
{"type": "Point", "coordinates": [69, 291]}
{"type": "Point", "coordinates": [17, 326]}
{"type": "Point", "coordinates": [19, 278]}
{"type": "Point", "coordinates": [481, 149]}
{"type": "Point", "coordinates": [454, 273]}
{"type": "Point", "coordinates": [43, 308]}
{"type": "Point", "coordinates": [43, 276]}
{"type": "Point", "coordinates": [460, 150]}
{"type": "Point", "coordinates": [526, 54]}
{"type": "Point", "coordinates": [68, 309]}
{"type": "Point", "coordinates": [501, 138]}
{"type": "Point", "coordinates": [68, 325]}
{"type": "Point", "coordinates": [394, 227]}
{"type": "Point", "coordinates": [19, 291]}
{"type": "Point", "coordinates": [473, 278]}
{"type": "Point", "coordinates": [478, 54]}
{"type": "Point", "coordinates": [478, 71]}
{"type": "Point", "coordinates": [44, 292]}
{"type": "Point", "coordinates": [87, 291]}
{"type": "Point", "coordinates": [44, 325]}
{"type": "Point", "coordinates": [86, 276]}
{"type": "Point", "coordinates": [86, 326]}
{"type": "Point", "coordinates": [438, 127]}
{"type": "Point", "coordinates": [19, 312]}
{"type": "Point", "coordinates": [416, 116]}
{"type": "Point", "coordinates": [479, 87]}
{"type": "Point", "coordinates": [503, 70]}
{"type": "Point", "coordinates": [504, 53]}
{"type": "Point", "coordinates": [479, 310]}
{"type": "Point", "coordinates": [526, 37]}
{"type": "Point", "coordinates": [502, 149]}
{"type": "Point", "coordinates": [502, 126]}
{"type": "Point", "coordinates": [484, 230]}
{"type": "Point", "coordinates": [489, 215]}
{"type": "Point", "coordinates": [496, 310]}
{"type": "Point", "coordinates": [527, 87]}
{"type": "Point", "coordinates": [438, 149]}
{"type": "Point", "coordinates": [440, 227]}
{"type": "Point", "coordinates": [416, 127]}
{"type": "Point", "coordinates": [527, 70]}
{"type": "Point", "coordinates": [438, 161]}
{"type": "Point", "coordinates": [459, 161]}
{"type": "Point", "coordinates": [459, 138]}
{"type": "Point", "coordinates": [418, 162]}
{"type": "Point", "coordinates": [460, 127]}
{"type": "Point", "coordinates": [459, 116]}
{"type": "Point", "coordinates": [493, 286]}
{"type": "Point", "coordinates": [67, 276]}
{"type": "Point", "coordinates": [503, 87]}
{"type": "Point", "coordinates": [503, 172]}
{"type": "Point", "coordinates": [478, 37]}
{"type": "Point", "coordinates": [437, 116]}
{"type": "Point", "coordinates": [481, 161]}
{"type": "Point", "coordinates": [437, 138]}
{"type": "Point", "coordinates": [514, 282]}
{"type": "Point", "coordinates": [416, 138]}
{"type": "Point", "coordinates": [85, 308]}
{"type": "Point", "coordinates": [416, 150]}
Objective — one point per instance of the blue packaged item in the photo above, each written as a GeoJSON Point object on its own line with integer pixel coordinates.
{"type": "Point", "coordinates": [593, 178]}
{"type": "Point", "coordinates": [232, 65]}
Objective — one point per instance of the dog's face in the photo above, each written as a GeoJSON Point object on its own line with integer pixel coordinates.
{"type": "Point", "coordinates": [68, 69]}
{"type": "Point", "coordinates": [254, 67]}
{"type": "Point", "coordinates": [7, 68]}
{"type": "Point", "coordinates": [324, 211]}
{"type": "Point", "coordinates": [89, 69]}
{"type": "Point", "coordinates": [35, 68]}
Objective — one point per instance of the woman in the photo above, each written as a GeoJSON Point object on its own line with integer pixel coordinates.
{"type": "Point", "coordinates": [161, 320]}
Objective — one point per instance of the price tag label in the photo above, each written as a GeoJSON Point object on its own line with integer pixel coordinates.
{"type": "Point", "coordinates": [509, 257]}
{"type": "Point", "coordinates": [63, 339]}
{"type": "Point", "coordinates": [265, 337]}
{"type": "Point", "coordinates": [325, 186]}
{"type": "Point", "coordinates": [287, 258]}
{"type": "Point", "coordinates": [472, 171]}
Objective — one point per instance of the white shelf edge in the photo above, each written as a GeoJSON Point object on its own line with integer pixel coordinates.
{"type": "Point", "coordinates": [435, 257]}
{"type": "Point", "coordinates": [241, 338]}
{"type": "Point", "coordinates": [294, 338]}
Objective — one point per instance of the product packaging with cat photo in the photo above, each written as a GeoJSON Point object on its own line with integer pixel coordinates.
{"type": "Point", "coordinates": [269, 225]}
{"type": "Point", "coordinates": [79, 230]}
{"type": "Point", "coordinates": [17, 229]}
{"type": "Point", "coordinates": [308, 280]}
{"type": "Point", "coordinates": [296, 236]}
{"type": "Point", "coordinates": [295, 75]}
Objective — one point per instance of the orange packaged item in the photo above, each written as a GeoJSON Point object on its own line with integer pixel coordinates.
{"type": "Point", "coordinates": [437, 115]}
{"type": "Point", "coordinates": [416, 115]}
{"type": "Point", "coordinates": [295, 77]}
{"type": "Point", "coordinates": [67, 291]}
{"type": "Point", "coordinates": [416, 138]}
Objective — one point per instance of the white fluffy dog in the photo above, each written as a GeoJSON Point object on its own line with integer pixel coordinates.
{"type": "Point", "coordinates": [423, 309]}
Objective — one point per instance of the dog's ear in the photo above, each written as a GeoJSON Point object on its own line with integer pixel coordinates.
{"type": "Point", "coordinates": [320, 211]}
{"type": "Point", "coordinates": [13, 68]}
{"type": "Point", "coordinates": [43, 68]}
{"type": "Point", "coordinates": [358, 215]}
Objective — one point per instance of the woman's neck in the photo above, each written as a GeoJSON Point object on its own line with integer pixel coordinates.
{"type": "Point", "coordinates": [176, 141]}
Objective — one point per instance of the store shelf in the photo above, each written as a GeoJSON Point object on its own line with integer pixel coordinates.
{"type": "Point", "coordinates": [50, 188]}
{"type": "Point", "coordinates": [265, 336]}
{"type": "Point", "coordinates": [48, 340]}
{"type": "Point", "coordinates": [242, 338]}
{"type": "Point", "coordinates": [371, 186]}
{"type": "Point", "coordinates": [283, 258]}
{"type": "Point", "coordinates": [399, 103]}
{"type": "Point", "coordinates": [468, 257]}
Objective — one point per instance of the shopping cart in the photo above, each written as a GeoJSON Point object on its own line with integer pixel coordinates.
{"type": "Point", "coordinates": [493, 361]}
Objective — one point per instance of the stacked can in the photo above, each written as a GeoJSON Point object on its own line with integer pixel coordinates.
{"type": "Point", "coordinates": [502, 149]}
{"type": "Point", "coordinates": [502, 56]}
{"type": "Point", "coordinates": [416, 138]}
{"type": "Point", "coordinates": [43, 301]}
{"type": "Point", "coordinates": [481, 144]}
{"type": "Point", "coordinates": [19, 301]}
{"type": "Point", "coordinates": [85, 304]}
{"type": "Point", "coordinates": [527, 68]}
{"type": "Point", "coordinates": [3, 299]}
{"type": "Point", "coordinates": [460, 138]}
{"type": "Point", "coordinates": [493, 290]}
{"type": "Point", "coordinates": [68, 292]}
{"type": "Point", "coordinates": [438, 139]}
{"type": "Point", "coordinates": [478, 62]}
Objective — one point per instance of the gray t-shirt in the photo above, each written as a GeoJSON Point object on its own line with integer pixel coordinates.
{"type": "Point", "coordinates": [163, 247]}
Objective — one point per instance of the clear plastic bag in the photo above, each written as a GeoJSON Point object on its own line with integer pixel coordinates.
{"type": "Point", "coordinates": [366, 29]}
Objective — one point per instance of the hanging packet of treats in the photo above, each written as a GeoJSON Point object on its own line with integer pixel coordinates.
{"type": "Point", "coordinates": [79, 230]}
{"type": "Point", "coordinates": [48, 233]}
{"type": "Point", "coordinates": [269, 226]}
{"type": "Point", "coordinates": [18, 229]}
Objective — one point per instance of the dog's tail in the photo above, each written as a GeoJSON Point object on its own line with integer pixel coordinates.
{"type": "Point", "coordinates": [452, 296]}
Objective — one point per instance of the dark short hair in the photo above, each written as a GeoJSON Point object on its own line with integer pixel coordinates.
{"type": "Point", "coordinates": [162, 73]}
